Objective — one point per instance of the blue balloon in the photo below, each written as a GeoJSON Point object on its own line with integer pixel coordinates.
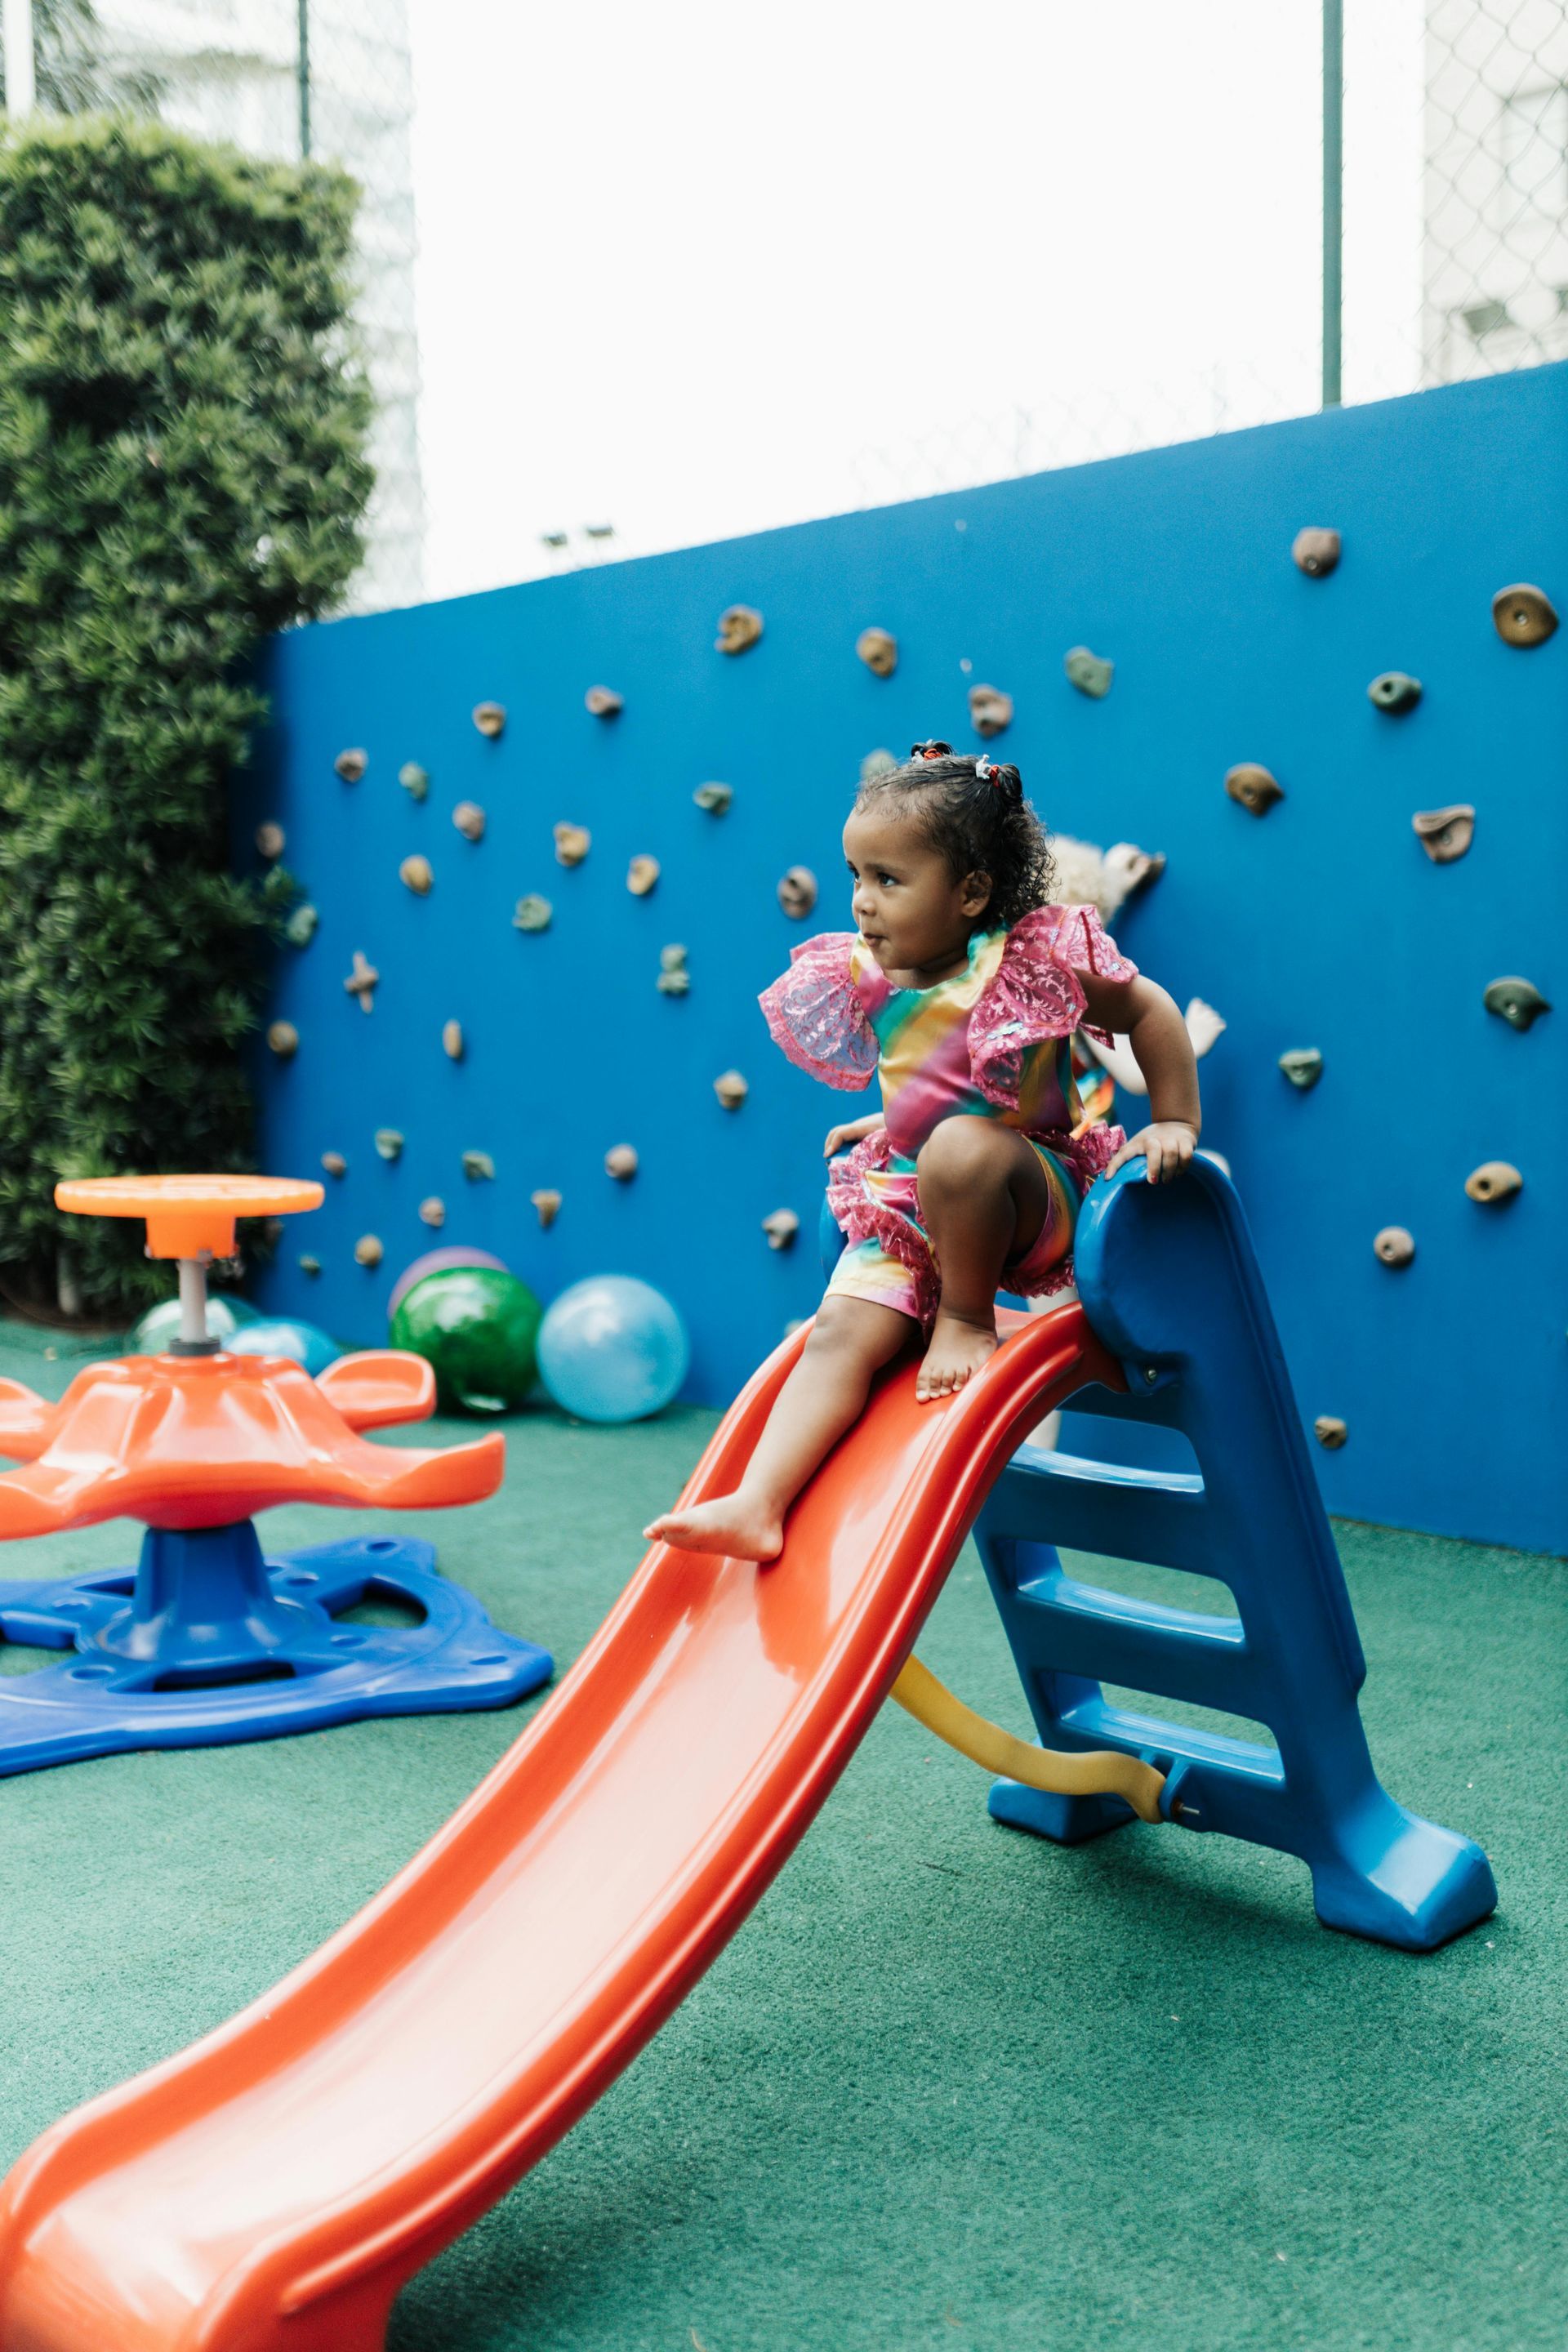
{"type": "Point", "coordinates": [612, 1349]}
{"type": "Point", "coordinates": [282, 1336]}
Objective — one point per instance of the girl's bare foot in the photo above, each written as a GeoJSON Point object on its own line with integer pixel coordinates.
{"type": "Point", "coordinates": [957, 1350]}
{"type": "Point", "coordinates": [735, 1525]}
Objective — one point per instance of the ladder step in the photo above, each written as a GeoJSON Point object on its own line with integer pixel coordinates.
{"type": "Point", "coordinates": [1100, 1507]}
{"type": "Point", "coordinates": [1100, 1723]}
{"type": "Point", "coordinates": [1081, 1629]}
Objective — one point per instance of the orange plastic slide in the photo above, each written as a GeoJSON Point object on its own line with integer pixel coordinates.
{"type": "Point", "coordinates": [271, 2189]}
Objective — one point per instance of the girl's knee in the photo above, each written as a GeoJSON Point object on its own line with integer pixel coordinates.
{"type": "Point", "coordinates": [851, 1329]}
{"type": "Point", "coordinates": [965, 1150]}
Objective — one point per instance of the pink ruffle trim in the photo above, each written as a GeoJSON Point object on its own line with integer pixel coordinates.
{"type": "Point", "coordinates": [815, 1016]}
{"type": "Point", "coordinates": [1037, 993]}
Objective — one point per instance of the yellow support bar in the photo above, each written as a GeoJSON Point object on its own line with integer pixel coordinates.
{"type": "Point", "coordinates": [1096, 1772]}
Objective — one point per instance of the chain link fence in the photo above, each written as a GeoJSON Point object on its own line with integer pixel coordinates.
{"type": "Point", "coordinates": [1455, 235]}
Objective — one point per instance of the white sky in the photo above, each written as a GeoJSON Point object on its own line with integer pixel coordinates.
{"type": "Point", "coordinates": [684, 266]}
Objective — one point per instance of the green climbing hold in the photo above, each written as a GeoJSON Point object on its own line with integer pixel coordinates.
{"type": "Point", "coordinates": [1517, 1002]}
{"type": "Point", "coordinates": [714, 798]}
{"type": "Point", "coordinates": [533, 913]}
{"type": "Point", "coordinates": [1088, 672]}
{"type": "Point", "coordinates": [413, 780]}
{"type": "Point", "coordinates": [477, 1166]}
{"type": "Point", "coordinates": [389, 1142]}
{"type": "Point", "coordinates": [1395, 692]}
{"type": "Point", "coordinates": [1304, 1065]}
{"type": "Point", "coordinates": [300, 928]}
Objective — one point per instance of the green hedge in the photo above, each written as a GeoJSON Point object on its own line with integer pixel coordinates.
{"type": "Point", "coordinates": [183, 426]}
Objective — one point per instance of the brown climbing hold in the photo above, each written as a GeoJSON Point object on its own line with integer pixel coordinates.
{"type": "Point", "coordinates": [548, 1205]}
{"type": "Point", "coordinates": [418, 873]}
{"type": "Point", "coordinates": [362, 982]}
{"type": "Point", "coordinates": [1493, 1180]}
{"type": "Point", "coordinates": [479, 1166]}
{"type": "Point", "coordinates": [270, 839]}
{"type": "Point", "coordinates": [1091, 673]}
{"type": "Point", "coordinates": [368, 1250]}
{"type": "Point", "coordinates": [533, 913]}
{"type": "Point", "coordinates": [334, 1163]}
{"type": "Point", "coordinates": [1329, 1432]}
{"type": "Point", "coordinates": [452, 1040]}
{"type": "Point", "coordinates": [641, 876]}
{"type": "Point", "coordinates": [284, 1040]}
{"type": "Point", "coordinates": [1253, 787]}
{"type": "Point", "coordinates": [781, 1228]}
{"type": "Point", "coordinates": [879, 649]}
{"type": "Point", "coordinates": [731, 1088]}
{"type": "Point", "coordinates": [621, 1162]}
{"type": "Point", "coordinates": [573, 842]}
{"type": "Point", "coordinates": [1523, 616]}
{"type": "Point", "coordinates": [739, 626]}
{"type": "Point", "coordinates": [1394, 1245]}
{"type": "Point", "coordinates": [1315, 552]}
{"type": "Point", "coordinates": [489, 717]}
{"type": "Point", "coordinates": [797, 893]}
{"type": "Point", "coordinates": [1517, 1002]}
{"type": "Point", "coordinates": [415, 782]}
{"type": "Point", "coordinates": [1394, 691]}
{"type": "Point", "coordinates": [603, 702]}
{"type": "Point", "coordinates": [990, 711]}
{"type": "Point", "coordinates": [469, 819]}
{"type": "Point", "coordinates": [1445, 833]}
{"type": "Point", "coordinates": [714, 798]}
{"type": "Point", "coordinates": [433, 1211]}
{"type": "Point", "coordinates": [352, 765]}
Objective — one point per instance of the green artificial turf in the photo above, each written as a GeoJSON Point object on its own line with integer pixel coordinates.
{"type": "Point", "coordinates": [949, 2088]}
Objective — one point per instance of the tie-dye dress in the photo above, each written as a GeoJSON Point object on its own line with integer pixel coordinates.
{"type": "Point", "coordinates": [992, 1041]}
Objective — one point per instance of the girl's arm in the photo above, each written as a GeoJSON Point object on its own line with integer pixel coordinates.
{"type": "Point", "coordinates": [1203, 1025]}
{"type": "Point", "coordinates": [1139, 1011]}
{"type": "Point", "coordinates": [840, 1138]}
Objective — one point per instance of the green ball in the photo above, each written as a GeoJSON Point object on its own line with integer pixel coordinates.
{"type": "Point", "coordinates": [477, 1328]}
{"type": "Point", "coordinates": [150, 1336]}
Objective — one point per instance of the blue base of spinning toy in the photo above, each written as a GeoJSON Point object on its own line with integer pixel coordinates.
{"type": "Point", "coordinates": [207, 1642]}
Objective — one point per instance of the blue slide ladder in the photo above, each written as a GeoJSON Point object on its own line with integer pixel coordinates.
{"type": "Point", "coordinates": [1170, 1285]}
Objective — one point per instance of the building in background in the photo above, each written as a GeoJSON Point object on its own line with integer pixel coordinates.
{"type": "Point", "coordinates": [1495, 211]}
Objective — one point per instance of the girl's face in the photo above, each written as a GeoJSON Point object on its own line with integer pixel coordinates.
{"type": "Point", "coordinates": [908, 909]}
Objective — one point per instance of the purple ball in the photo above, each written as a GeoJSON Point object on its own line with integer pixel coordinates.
{"type": "Point", "coordinates": [438, 1262]}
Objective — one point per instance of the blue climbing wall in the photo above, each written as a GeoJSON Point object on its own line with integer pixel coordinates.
{"type": "Point", "coordinates": [1321, 924]}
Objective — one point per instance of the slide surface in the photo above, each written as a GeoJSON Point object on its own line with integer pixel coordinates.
{"type": "Point", "coordinates": [271, 2188]}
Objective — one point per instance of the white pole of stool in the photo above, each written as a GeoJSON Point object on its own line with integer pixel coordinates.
{"type": "Point", "coordinates": [193, 1299]}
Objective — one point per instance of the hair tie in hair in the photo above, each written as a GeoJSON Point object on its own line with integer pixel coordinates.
{"type": "Point", "coordinates": [929, 751]}
{"type": "Point", "coordinates": [986, 772]}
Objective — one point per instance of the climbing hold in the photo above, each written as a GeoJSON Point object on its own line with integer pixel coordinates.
{"type": "Point", "coordinates": [433, 1211]}
{"type": "Point", "coordinates": [1493, 1180]}
{"type": "Point", "coordinates": [731, 1088]}
{"type": "Point", "coordinates": [879, 649]}
{"type": "Point", "coordinates": [1088, 672]}
{"type": "Point", "coordinates": [1394, 691]}
{"type": "Point", "coordinates": [1523, 616]}
{"type": "Point", "coordinates": [1315, 552]}
{"type": "Point", "coordinates": [533, 913]}
{"type": "Point", "coordinates": [990, 711]}
{"type": "Point", "coordinates": [469, 819]}
{"type": "Point", "coordinates": [334, 1163]}
{"type": "Point", "coordinates": [270, 839]}
{"type": "Point", "coordinates": [452, 1040]}
{"type": "Point", "coordinates": [368, 1250]}
{"type": "Point", "coordinates": [389, 1142]}
{"type": "Point", "coordinates": [309, 1265]}
{"type": "Point", "coordinates": [548, 1205]}
{"type": "Point", "coordinates": [797, 893]}
{"type": "Point", "coordinates": [714, 798]}
{"type": "Point", "coordinates": [413, 780]}
{"type": "Point", "coordinates": [621, 1162]}
{"type": "Point", "coordinates": [573, 842]}
{"type": "Point", "coordinates": [1329, 1432]}
{"type": "Point", "coordinates": [603, 702]}
{"type": "Point", "coordinates": [1394, 1245]}
{"type": "Point", "coordinates": [300, 928]}
{"type": "Point", "coordinates": [362, 982]}
{"type": "Point", "coordinates": [418, 873]}
{"type": "Point", "coordinates": [781, 1228]}
{"type": "Point", "coordinates": [479, 1166]}
{"type": "Point", "coordinates": [351, 765]}
{"type": "Point", "coordinates": [1253, 787]}
{"type": "Point", "coordinates": [739, 627]}
{"type": "Point", "coordinates": [674, 980]}
{"type": "Point", "coordinates": [641, 876]}
{"type": "Point", "coordinates": [489, 717]}
{"type": "Point", "coordinates": [1517, 1002]}
{"type": "Point", "coordinates": [284, 1040]}
{"type": "Point", "coordinates": [877, 763]}
{"type": "Point", "coordinates": [1304, 1065]}
{"type": "Point", "coordinates": [1445, 833]}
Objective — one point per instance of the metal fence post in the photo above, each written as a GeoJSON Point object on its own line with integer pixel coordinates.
{"type": "Point", "coordinates": [17, 29]}
{"type": "Point", "coordinates": [1333, 198]}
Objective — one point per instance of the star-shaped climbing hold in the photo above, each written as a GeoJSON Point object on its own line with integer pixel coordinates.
{"type": "Point", "coordinates": [362, 981]}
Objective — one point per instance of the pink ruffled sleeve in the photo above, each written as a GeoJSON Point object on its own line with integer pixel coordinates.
{"type": "Point", "coordinates": [1037, 993]}
{"type": "Point", "coordinates": [815, 1015]}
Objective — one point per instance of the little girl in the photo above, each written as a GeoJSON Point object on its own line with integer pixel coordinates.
{"type": "Point", "coordinates": [961, 991]}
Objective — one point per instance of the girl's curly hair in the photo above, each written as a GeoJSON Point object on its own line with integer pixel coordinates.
{"type": "Point", "coordinates": [974, 812]}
